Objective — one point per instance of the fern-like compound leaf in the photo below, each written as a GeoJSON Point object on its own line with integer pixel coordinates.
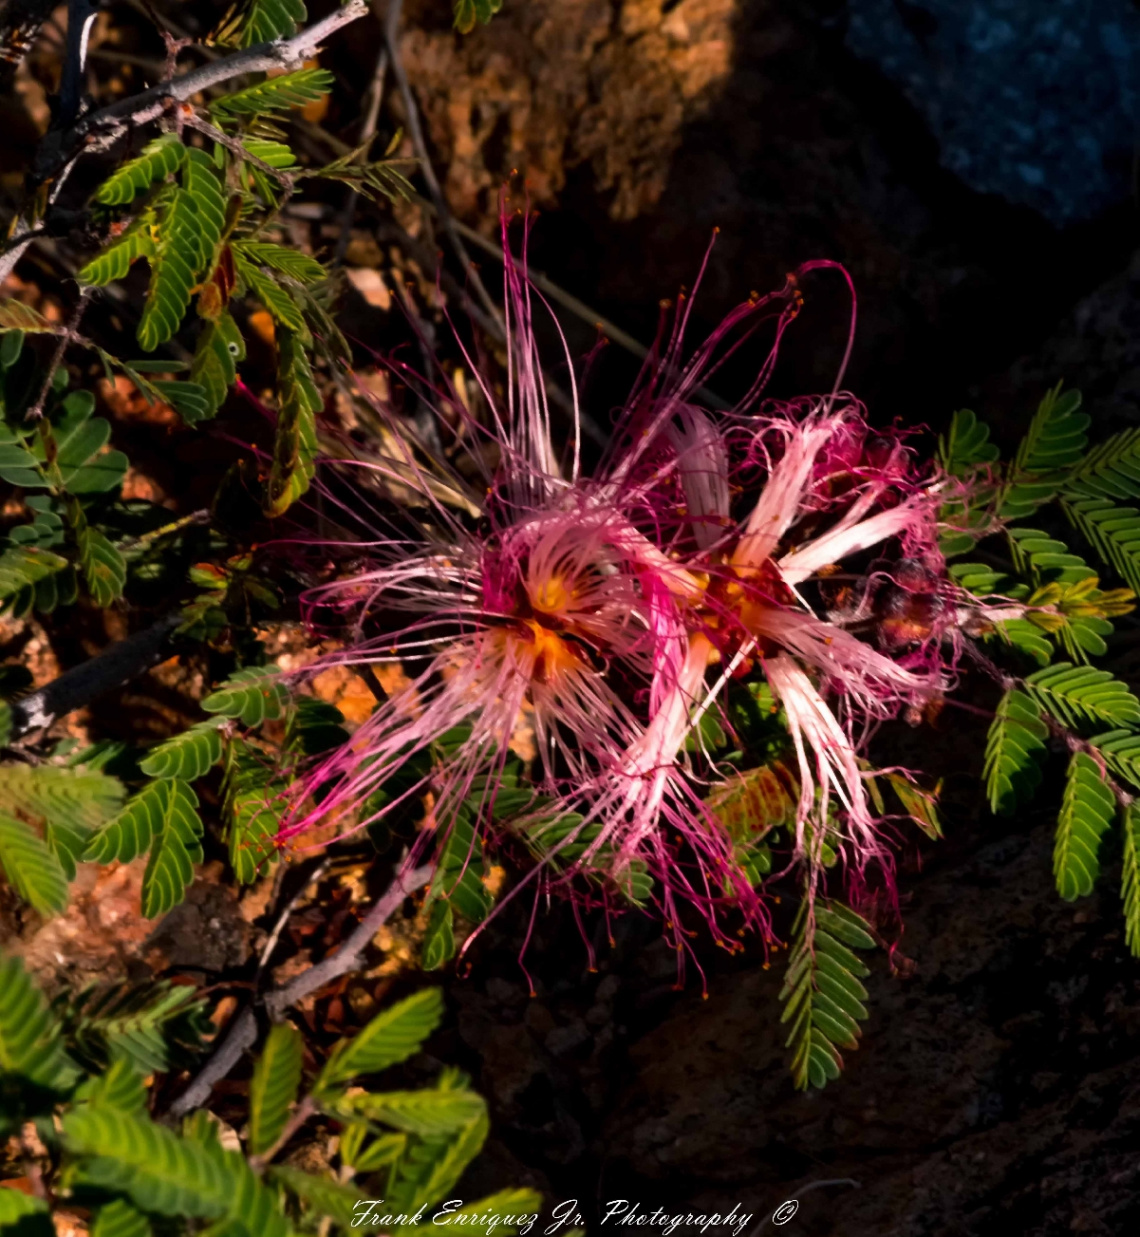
{"type": "Point", "coordinates": [289, 262]}
{"type": "Point", "coordinates": [31, 1044]}
{"type": "Point", "coordinates": [15, 1206]}
{"type": "Point", "coordinates": [1075, 695]}
{"type": "Point", "coordinates": [30, 867]}
{"type": "Point", "coordinates": [115, 261]}
{"type": "Point", "coordinates": [120, 1219]}
{"type": "Point", "coordinates": [214, 367]}
{"type": "Point", "coordinates": [391, 1037]}
{"type": "Point", "coordinates": [822, 996]}
{"type": "Point", "coordinates": [158, 158]}
{"type": "Point", "coordinates": [136, 1023]}
{"type": "Point", "coordinates": [276, 94]}
{"type": "Point", "coordinates": [251, 696]}
{"type": "Point", "coordinates": [119, 1086]}
{"type": "Point", "coordinates": [200, 180]}
{"type": "Point", "coordinates": [282, 307]}
{"type": "Point", "coordinates": [1013, 748]}
{"type": "Point", "coordinates": [174, 267]}
{"type": "Point", "coordinates": [295, 444]}
{"type": "Point", "coordinates": [1120, 750]}
{"type": "Point", "coordinates": [1130, 880]}
{"type": "Point", "coordinates": [1087, 809]}
{"type": "Point", "coordinates": [85, 467]}
{"type": "Point", "coordinates": [257, 21]}
{"type": "Point", "coordinates": [966, 445]}
{"type": "Point", "coordinates": [1110, 470]}
{"type": "Point", "coordinates": [74, 799]}
{"type": "Point", "coordinates": [254, 804]}
{"type": "Point", "coordinates": [273, 1091]}
{"type": "Point", "coordinates": [1113, 531]}
{"type": "Point", "coordinates": [431, 1166]}
{"type": "Point", "coordinates": [427, 1112]}
{"type": "Point", "coordinates": [22, 567]}
{"type": "Point", "coordinates": [174, 852]}
{"type": "Point", "coordinates": [1046, 558]}
{"type": "Point", "coordinates": [1055, 441]}
{"type": "Point", "coordinates": [187, 755]}
{"type": "Point", "coordinates": [320, 1194]}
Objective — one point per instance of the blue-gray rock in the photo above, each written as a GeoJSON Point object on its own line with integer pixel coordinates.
{"type": "Point", "coordinates": [1036, 102]}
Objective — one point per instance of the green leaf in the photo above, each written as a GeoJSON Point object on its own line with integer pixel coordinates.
{"type": "Point", "coordinates": [1087, 808]}
{"type": "Point", "coordinates": [167, 1174]}
{"type": "Point", "coordinates": [254, 805]}
{"type": "Point", "coordinates": [15, 1205]}
{"type": "Point", "coordinates": [1110, 470]}
{"type": "Point", "coordinates": [120, 1086]}
{"type": "Point", "coordinates": [283, 308]}
{"type": "Point", "coordinates": [31, 868]}
{"type": "Point", "coordinates": [327, 1198]}
{"type": "Point", "coordinates": [104, 568]}
{"type": "Point", "coordinates": [273, 1091]}
{"type": "Point", "coordinates": [31, 1045]}
{"type": "Point", "coordinates": [276, 94]}
{"type": "Point", "coordinates": [1113, 531]}
{"type": "Point", "coordinates": [257, 21]}
{"type": "Point", "coordinates": [505, 1211]}
{"type": "Point", "coordinates": [163, 819]}
{"type": "Point", "coordinates": [1130, 881]}
{"type": "Point", "coordinates": [187, 755]}
{"type": "Point", "coordinates": [468, 12]}
{"type": "Point", "coordinates": [966, 446]}
{"type": "Point", "coordinates": [115, 260]}
{"type": "Point", "coordinates": [1055, 441]}
{"type": "Point", "coordinates": [76, 800]}
{"type": "Point", "coordinates": [289, 262]}
{"type": "Point", "coordinates": [201, 182]}
{"type": "Point", "coordinates": [275, 154]}
{"type": "Point", "coordinates": [174, 268]}
{"type": "Point", "coordinates": [295, 443]}
{"type": "Point", "coordinates": [252, 696]}
{"type": "Point", "coordinates": [137, 1023]}
{"type": "Point", "coordinates": [391, 1037]}
{"type": "Point", "coordinates": [173, 853]}
{"type": "Point", "coordinates": [120, 1219]}
{"type": "Point", "coordinates": [1077, 694]}
{"type": "Point", "coordinates": [21, 569]}
{"type": "Point", "coordinates": [84, 466]}
{"type": "Point", "coordinates": [428, 1112]}
{"type": "Point", "coordinates": [439, 936]}
{"type": "Point", "coordinates": [158, 159]}
{"type": "Point", "coordinates": [214, 367]}
{"type": "Point", "coordinates": [821, 994]}
{"type": "Point", "coordinates": [432, 1166]}
{"type": "Point", "coordinates": [1016, 740]}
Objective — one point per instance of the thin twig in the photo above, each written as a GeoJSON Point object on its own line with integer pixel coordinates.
{"type": "Point", "coordinates": [68, 335]}
{"type": "Point", "coordinates": [243, 1031]}
{"type": "Point", "coordinates": [235, 147]}
{"type": "Point", "coordinates": [313, 878]}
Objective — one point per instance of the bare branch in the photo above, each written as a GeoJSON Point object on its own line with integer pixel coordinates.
{"type": "Point", "coordinates": [243, 1031]}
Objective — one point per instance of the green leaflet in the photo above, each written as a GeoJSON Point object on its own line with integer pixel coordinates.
{"type": "Point", "coordinates": [31, 1046]}
{"type": "Point", "coordinates": [468, 12]}
{"type": "Point", "coordinates": [431, 1166]}
{"type": "Point", "coordinates": [158, 159]}
{"type": "Point", "coordinates": [22, 568]}
{"type": "Point", "coordinates": [271, 294]}
{"type": "Point", "coordinates": [15, 1205]}
{"type": "Point", "coordinates": [120, 1086]}
{"type": "Point", "coordinates": [1113, 531]}
{"type": "Point", "coordinates": [30, 867]}
{"type": "Point", "coordinates": [1110, 470]}
{"type": "Point", "coordinates": [115, 260]}
{"type": "Point", "coordinates": [1087, 809]}
{"type": "Point", "coordinates": [295, 443]}
{"type": "Point", "coordinates": [1055, 441]}
{"type": "Point", "coordinates": [289, 262]}
{"type": "Point", "coordinates": [252, 696]}
{"type": "Point", "coordinates": [326, 1197]}
{"type": "Point", "coordinates": [273, 1091]}
{"type": "Point", "coordinates": [200, 180]}
{"type": "Point", "coordinates": [1078, 694]}
{"type": "Point", "coordinates": [162, 818]}
{"type": "Point", "coordinates": [214, 368]}
{"type": "Point", "coordinates": [136, 1023]}
{"type": "Point", "coordinates": [174, 268]}
{"type": "Point", "coordinates": [104, 568]}
{"type": "Point", "coordinates": [254, 804]}
{"type": "Point", "coordinates": [1130, 879]}
{"type": "Point", "coordinates": [822, 995]}
{"type": "Point", "coordinates": [84, 467]}
{"type": "Point", "coordinates": [966, 445]}
{"type": "Point", "coordinates": [258, 21]}
{"type": "Point", "coordinates": [120, 1219]}
{"type": "Point", "coordinates": [391, 1037]}
{"type": "Point", "coordinates": [187, 755]}
{"type": "Point", "coordinates": [1013, 747]}
{"type": "Point", "coordinates": [276, 94]}
{"type": "Point", "coordinates": [426, 1113]}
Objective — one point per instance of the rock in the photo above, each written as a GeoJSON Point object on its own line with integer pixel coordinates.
{"type": "Point", "coordinates": [1036, 103]}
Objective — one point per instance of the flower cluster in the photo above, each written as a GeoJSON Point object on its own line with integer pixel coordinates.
{"type": "Point", "coordinates": [789, 549]}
